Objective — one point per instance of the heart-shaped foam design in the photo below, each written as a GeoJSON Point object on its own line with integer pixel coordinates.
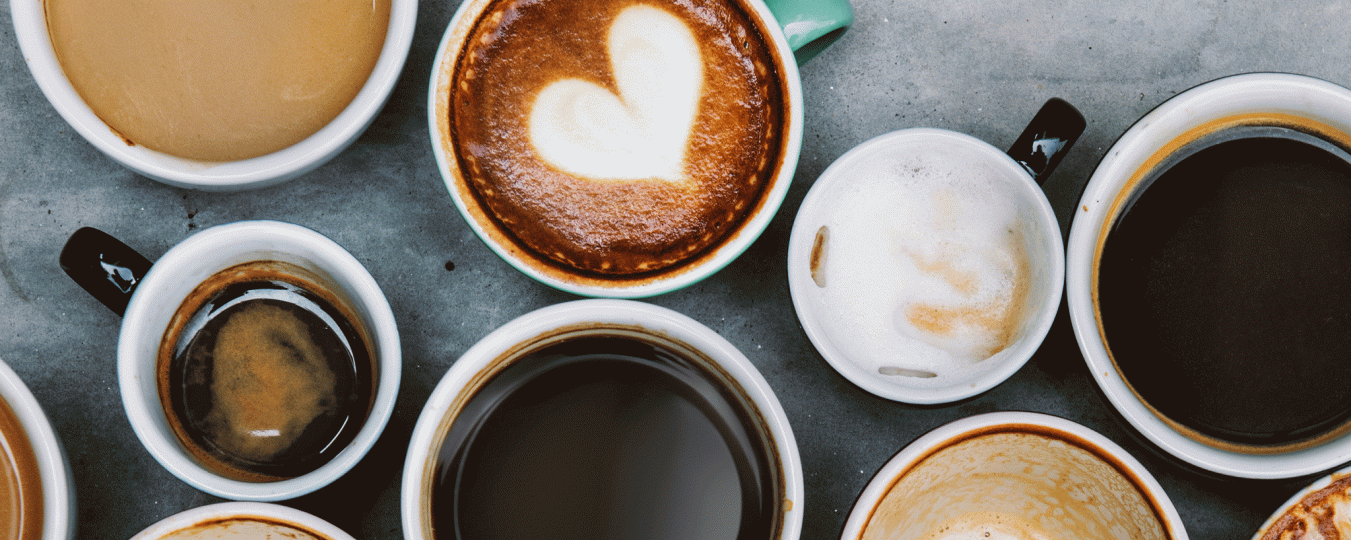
{"type": "Point", "coordinates": [589, 132]}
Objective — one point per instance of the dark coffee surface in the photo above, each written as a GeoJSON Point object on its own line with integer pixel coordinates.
{"type": "Point", "coordinates": [1225, 290]}
{"type": "Point", "coordinates": [603, 438]}
{"type": "Point", "coordinates": [268, 380]}
{"type": "Point", "coordinates": [615, 227]}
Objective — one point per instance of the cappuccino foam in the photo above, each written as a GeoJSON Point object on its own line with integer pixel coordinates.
{"type": "Point", "coordinates": [923, 266]}
{"type": "Point", "coordinates": [240, 529]}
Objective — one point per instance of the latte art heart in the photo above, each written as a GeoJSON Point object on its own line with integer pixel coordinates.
{"type": "Point", "coordinates": [586, 130]}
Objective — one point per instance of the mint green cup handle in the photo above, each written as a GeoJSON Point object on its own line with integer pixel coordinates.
{"type": "Point", "coordinates": [811, 25]}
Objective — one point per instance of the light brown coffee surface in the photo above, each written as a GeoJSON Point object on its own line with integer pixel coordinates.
{"type": "Point", "coordinates": [614, 224]}
{"type": "Point", "coordinates": [20, 484]}
{"type": "Point", "coordinates": [217, 80]}
{"type": "Point", "coordinates": [1322, 515]}
{"type": "Point", "coordinates": [241, 529]}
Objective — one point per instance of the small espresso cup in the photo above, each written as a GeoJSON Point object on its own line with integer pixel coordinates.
{"type": "Point", "coordinates": [242, 520]}
{"type": "Point", "coordinates": [33, 26]}
{"type": "Point", "coordinates": [257, 360]}
{"type": "Point", "coordinates": [1013, 475]}
{"type": "Point", "coordinates": [35, 479]}
{"type": "Point", "coordinates": [602, 419]}
{"type": "Point", "coordinates": [1204, 273]}
{"type": "Point", "coordinates": [619, 149]}
{"type": "Point", "coordinates": [926, 265]}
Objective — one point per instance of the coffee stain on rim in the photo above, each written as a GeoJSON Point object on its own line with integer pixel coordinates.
{"type": "Point", "coordinates": [638, 333]}
{"type": "Point", "coordinates": [1149, 165]}
{"type": "Point", "coordinates": [1029, 429]}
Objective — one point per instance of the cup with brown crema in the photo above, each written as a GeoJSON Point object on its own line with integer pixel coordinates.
{"type": "Point", "coordinates": [37, 499]}
{"type": "Point", "coordinates": [242, 521]}
{"type": "Point", "coordinates": [209, 94]}
{"type": "Point", "coordinates": [621, 148]}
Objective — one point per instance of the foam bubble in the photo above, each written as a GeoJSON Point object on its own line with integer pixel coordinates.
{"type": "Point", "coordinates": [926, 270]}
{"type": "Point", "coordinates": [588, 131]}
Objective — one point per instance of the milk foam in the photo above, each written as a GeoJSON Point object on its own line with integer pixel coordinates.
{"type": "Point", "coordinates": [987, 526]}
{"type": "Point", "coordinates": [588, 131]}
{"type": "Point", "coordinates": [239, 529]}
{"type": "Point", "coordinates": [926, 267]}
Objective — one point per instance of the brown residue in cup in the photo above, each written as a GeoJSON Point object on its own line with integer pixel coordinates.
{"type": "Point", "coordinates": [818, 256]}
{"type": "Point", "coordinates": [1321, 514]}
{"type": "Point", "coordinates": [20, 484]}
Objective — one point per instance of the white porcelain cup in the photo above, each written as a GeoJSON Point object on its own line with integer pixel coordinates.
{"type": "Point", "coordinates": [30, 27]}
{"type": "Point", "coordinates": [242, 520]}
{"type": "Point", "coordinates": [54, 489]}
{"type": "Point", "coordinates": [1317, 507]}
{"type": "Point", "coordinates": [726, 367]}
{"type": "Point", "coordinates": [1304, 103]}
{"type": "Point", "coordinates": [1013, 475]}
{"type": "Point", "coordinates": [156, 297]}
{"type": "Point", "coordinates": [926, 265]}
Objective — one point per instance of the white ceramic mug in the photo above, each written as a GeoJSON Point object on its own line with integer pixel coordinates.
{"type": "Point", "coordinates": [942, 209]}
{"type": "Point", "coordinates": [1247, 99]}
{"type": "Point", "coordinates": [157, 296]}
{"type": "Point", "coordinates": [30, 27]}
{"type": "Point", "coordinates": [1022, 474]}
{"type": "Point", "coordinates": [588, 318]}
{"type": "Point", "coordinates": [56, 492]}
{"type": "Point", "coordinates": [239, 520]}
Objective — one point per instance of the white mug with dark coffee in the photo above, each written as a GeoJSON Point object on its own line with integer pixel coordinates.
{"type": "Point", "coordinates": [1206, 275]}
{"type": "Point", "coordinates": [257, 360]}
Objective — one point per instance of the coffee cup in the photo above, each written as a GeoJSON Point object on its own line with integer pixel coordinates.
{"type": "Point", "coordinates": [1013, 475]}
{"type": "Point", "coordinates": [616, 149]}
{"type": "Point", "coordinates": [257, 360]}
{"type": "Point", "coordinates": [35, 479]}
{"type": "Point", "coordinates": [602, 419]}
{"type": "Point", "coordinates": [926, 265]}
{"type": "Point", "coordinates": [1202, 292]}
{"type": "Point", "coordinates": [224, 113]}
{"type": "Point", "coordinates": [242, 520]}
{"type": "Point", "coordinates": [1317, 507]}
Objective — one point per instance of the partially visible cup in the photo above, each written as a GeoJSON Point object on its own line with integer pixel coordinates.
{"type": "Point", "coordinates": [242, 520]}
{"type": "Point", "coordinates": [1013, 475]}
{"type": "Point", "coordinates": [602, 419]}
{"type": "Point", "coordinates": [35, 481]}
{"type": "Point", "coordinates": [926, 265]}
{"type": "Point", "coordinates": [195, 77]}
{"type": "Point", "coordinates": [1320, 506]}
{"type": "Point", "coordinates": [618, 149]}
{"type": "Point", "coordinates": [257, 360]}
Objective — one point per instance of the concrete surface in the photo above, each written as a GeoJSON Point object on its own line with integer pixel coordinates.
{"type": "Point", "coordinates": [974, 66]}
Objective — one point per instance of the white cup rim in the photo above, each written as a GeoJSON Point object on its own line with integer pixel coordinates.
{"type": "Point", "coordinates": [139, 338]}
{"type": "Point", "coordinates": [800, 281]}
{"type": "Point", "coordinates": [30, 27]}
{"type": "Point", "coordinates": [877, 488]}
{"type": "Point", "coordinates": [659, 320]}
{"type": "Point", "coordinates": [1298, 95]}
{"type": "Point", "coordinates": [58, 492]}
{"type": "Point", "coordinates": [724, 254]}
{"type": "Point", "coordinates": [228, 510]}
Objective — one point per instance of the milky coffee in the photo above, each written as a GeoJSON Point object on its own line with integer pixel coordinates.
{"type": "Point", "coordinates": [615, 138]}
{"type": "Point", "coordinates": [21, 505]}
{"type": "Point", "coordinates": [242, 529]}
{"type": "Point", "coordinates": [922, 261]}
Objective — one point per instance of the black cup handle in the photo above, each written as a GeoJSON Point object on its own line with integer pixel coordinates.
{"type": "Point", "coordinates": [103, 266]}
{"type": "Point", "coordinates": [1047, 138]}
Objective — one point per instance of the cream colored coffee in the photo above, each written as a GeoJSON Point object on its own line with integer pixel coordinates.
{"type": "Point", "coordinates": [1321, 515]}
{"type": "Point", "coordinates": [241, 529]}
{"type": "Point", "coordinates": [614, 137]}
{"type": "Point", "coordinates": [923, 261]}
{"type": "Point", "coordinates": [217, 80]}
{"type": "Point", "coordinates": [21, 510]}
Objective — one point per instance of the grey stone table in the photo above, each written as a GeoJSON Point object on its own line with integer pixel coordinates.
{"type": "Point", "coordinates": [974, 66]}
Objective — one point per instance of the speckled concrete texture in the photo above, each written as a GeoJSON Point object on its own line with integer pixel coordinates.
{"type": "Point", "coordinates": [973, 66]}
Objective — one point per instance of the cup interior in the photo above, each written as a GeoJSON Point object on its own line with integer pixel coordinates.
{"type": "Point", "coordinates": [1259, 100]}
{"type": "Point", "coordinates": [52, 490]}
{"type": "Point", "coordinates": [175, 275]}
{"type": "Point", "coordinates": [446, 409]}
{"type": "Point", "coordinates": [502, 241]}
{"type": "Point", "coordinates": [1013, 475]}
{"type": "Point", "coordinates": [30, 26]}
{"type": "Point", "coordinates": [863, 256]}
{"type": "Point", "coordinates": [239, 520]}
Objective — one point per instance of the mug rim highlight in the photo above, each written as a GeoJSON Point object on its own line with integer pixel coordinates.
{"type": "Point", "coordinates": [1207, 107]}
{"type": "Point", "coordinates": [224, 246]}
{"type": "Point", "coordinates": [980, 425]}
{"type": "Point", "coordinates": [30, 27]}
{"type": "Point", "coordinates": [614, 315]}
{"type": "Point", "coordinates": [684, 275]}
{"type": "Point", "coordinates": [799, 280]}
{"type": "Point", "coordinates": [281, 515]}
{"type": "Point", "coordinates": [58, 493]}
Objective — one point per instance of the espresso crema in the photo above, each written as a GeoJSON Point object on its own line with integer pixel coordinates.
{"type": "Point", "coordinates": [217, 80]}
{"type": "Point", "coordinates": [613, 138]}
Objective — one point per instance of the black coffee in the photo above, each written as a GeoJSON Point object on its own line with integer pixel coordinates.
{"type": "Point", "coordinates": [1225, 287]}
{"type": "Point", "coordinates": [267, 380]}
{"type": "Point", "coordinates": [604, 438]}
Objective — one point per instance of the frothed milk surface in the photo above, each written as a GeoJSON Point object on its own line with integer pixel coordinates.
{"type": "Point", "coordinates": [922, 266]}
{"type": "Point", "coordinates": [240, 529]}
